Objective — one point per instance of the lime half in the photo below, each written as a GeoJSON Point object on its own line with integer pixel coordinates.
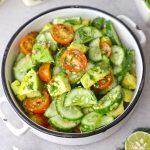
{"type": "Point", "coordinates": [138, 141]}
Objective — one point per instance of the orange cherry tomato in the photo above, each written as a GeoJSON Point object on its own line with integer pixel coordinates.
{"type": "Point", "coordinates": [37, 105]}
{"type": "Point", "coordinates": [50, 127]}
{"type": "Point", "coordinates": [62, 33]}
{"type": "Point", "coordinates": [106, 48]}
{"type": "Point", "coordinates": [27, 42]}
{"type": "Point", "coordinates": [73, 60]}
{"type": "Point", "coordinates": [77, 130]}
{"type": "Point", "coordinates": [44, 72]}
{"type": "Point", "coordinates": [40, 119]}
{"type": "Point", "coordinates": [106, 82]}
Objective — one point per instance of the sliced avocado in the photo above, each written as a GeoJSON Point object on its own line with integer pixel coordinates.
{"type": "Point", "coordinates": [46, 27]}
{"type": "Point", "coordinates": [78, 46]}
{"type": "Point", "coordinates": [106, 39]}
{"type": "Point", "coordinates": [94, 74]}
{"type": "Point", "coordinates": [115, 113]}
{"type": "Point", "coordinates": [59, 85]}
{"type": "Point", "coordinates": [129, 81]}
{"type": "Point", "coordinates": [86, 22]}
{"type": "Point", "coordinates": [45, 39]}
{"type": "Point", "coordinates": [31, 85]}
{"type": "Point", "coordinates": [128, 95]}
{"type": "Point", "coordinates": [41, 54]}
{"type": "Point", "coordinates": [16, 89]}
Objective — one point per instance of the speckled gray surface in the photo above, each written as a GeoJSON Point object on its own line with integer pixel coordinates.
{"type": "Point", "coordinates": [13, 13]}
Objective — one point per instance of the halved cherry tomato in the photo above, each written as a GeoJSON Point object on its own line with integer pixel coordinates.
{"type": "Point", "coordinates": [37, 105]}
{"type": "Point", "coordinates": [73, 60]}
{"type": "Point", "coordinates": [40, 119]}
{"type": "Point", "coordinates": [106, 82]}
{"type": "Point", "coordinates": [77, 130]}
{"type": "Point", "coordinates": [44, 72]}
{"type": "Point", "coordinates": [50, 127]}
{"type": "Point", "coordinates": [27, 42]}
{"type": "Point", "coordinates": [106, 48]}
{"type": "Point", "coordinates": [62, 33]}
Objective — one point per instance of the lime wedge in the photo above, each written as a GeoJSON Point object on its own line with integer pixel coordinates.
{"type": "Point", "coordinates": [138, 141]}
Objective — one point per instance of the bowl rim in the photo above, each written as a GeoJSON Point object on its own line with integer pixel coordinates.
{"type": "Point", "coordinates": [57, 133]}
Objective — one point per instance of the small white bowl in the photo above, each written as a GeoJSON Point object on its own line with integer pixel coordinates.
{"type": "Point", "coordinates": [144, 11]}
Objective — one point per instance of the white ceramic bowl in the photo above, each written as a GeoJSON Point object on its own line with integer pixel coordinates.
{"type": "Point", "coordinates": [144, 11]}
{"type": "Point", "coordinates": [36, 24]}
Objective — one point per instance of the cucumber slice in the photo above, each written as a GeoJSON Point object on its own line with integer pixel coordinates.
{"type": "Point", "coordinates": [106, 120]}
{"type": "Point", "coordinates": [87, 110]}
{"type": "Point", "coordinates": [70, 113]}
{"type": "Point", "coordinates": [110, 101]}
{"type": "Point", "coordinates": [86, 34]}
{"type": "Point", "coordinates": [90, 122]}
{"type": "Point", "coordinates": [80, 97]}
{"type": "Point", "coordinates": [111, 32]}
{"type": "Point", "coordinates": [51, 110]}
{"type": "Point", "coordinates": [74, 77]}
{"type": "Point", "coordinates": [20, 56]}
{"type": "Point", "coordinates": [118, 55]}
{"type": "Point", "coordinates": [57, 70]}
{"type": "Point", "coordinates": [63, 124]}
{"type": "Point", "coordinates": [117, 70]}
{"type": "Point", "coordinates": [118, 111]}
{"type": "Point", "coordinates": [22, 65]}
{"type": "Point", "coordinates": [94, 54]}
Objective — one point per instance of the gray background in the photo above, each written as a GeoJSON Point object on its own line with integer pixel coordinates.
{"type": "Point", "coordinates": [13, 13]}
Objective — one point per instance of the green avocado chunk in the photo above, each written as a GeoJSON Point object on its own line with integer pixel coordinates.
{"type": "Point", "coordinates": [128, 95]}
{"type": "Point", "coordinates": [45, 39]}
{"type": "Point", "coordinates": [16, 89]}
{"type": "Point", "coordinates": [31, 85]}
{"type": "Point", "coordinates": [78, 46]}
{"type": "Point", "coordinates": [41, 54]}
{"type": "Point", "coordinates": [95, 74]}
{"type": "Point", "coordinates": [129, 81]}
{"type": "Point", "coordinates": [59, 85]}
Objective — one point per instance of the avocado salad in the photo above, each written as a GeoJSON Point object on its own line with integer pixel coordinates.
{"type": "Point", "coordinates": [75, 75]}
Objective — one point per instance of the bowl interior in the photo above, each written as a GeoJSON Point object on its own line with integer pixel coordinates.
{"type": "Point", "coordinates": [39, 22]}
